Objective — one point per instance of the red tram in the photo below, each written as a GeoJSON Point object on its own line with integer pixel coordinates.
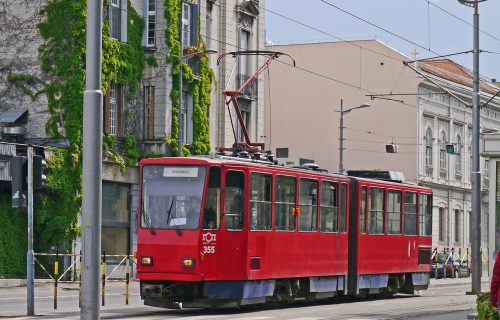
{"type": "Point", "coordinates": [225, 232]}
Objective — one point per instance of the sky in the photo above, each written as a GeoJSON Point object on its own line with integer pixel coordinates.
{"type": "Point", "coordinates": [433, 28]}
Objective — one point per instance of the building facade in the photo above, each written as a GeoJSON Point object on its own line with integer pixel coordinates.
{"type": "Point", "coordinates": [138, 117]}
{"type": "Point", "coordinates": [224, 26]}
{"type": "Point", "coordinates": [406, 109]}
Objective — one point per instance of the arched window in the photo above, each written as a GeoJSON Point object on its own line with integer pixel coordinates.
{"type": "Point", "coordinates": [443, 166]}
{"type": "Point", "coordinates": [458, 158]}
{"type": "Point", "coordinates": [428, 148]}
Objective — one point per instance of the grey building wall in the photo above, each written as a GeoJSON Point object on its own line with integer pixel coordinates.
{"type": "Point", "coordinates": [19, 42]}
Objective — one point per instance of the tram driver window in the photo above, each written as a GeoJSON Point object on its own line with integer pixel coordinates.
{"type": "Point", "coordinates": [329, 207]}
{"type": "Point", "coordinates": [410, 210]}
{"type": "Point", "coordinates": [308, 203]}
{"type": "Point", "coordinates": [211, 216]}
{"type": "Point", "coordinates": [376, 207]}
{"type": "Point", "coordinates": [260, 201]}
{"type": "Point", "coordinates": [233, 200]}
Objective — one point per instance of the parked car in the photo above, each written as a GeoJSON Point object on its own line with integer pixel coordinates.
{"type": "Point", "coordinates": [453, 264]}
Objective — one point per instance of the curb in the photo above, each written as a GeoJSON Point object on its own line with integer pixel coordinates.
{"type": "Point", "coordinates": [8, 283]}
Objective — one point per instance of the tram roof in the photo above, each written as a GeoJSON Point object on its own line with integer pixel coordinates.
{"type": "Point", "coordinates": [218, 159]}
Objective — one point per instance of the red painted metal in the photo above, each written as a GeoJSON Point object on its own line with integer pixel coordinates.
{"type": "Point", "coordinates": [246, 145]}
{"type": "Point", "coordinates": [290, 254]}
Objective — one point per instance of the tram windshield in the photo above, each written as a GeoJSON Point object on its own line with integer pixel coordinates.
{"type": "Point", "coordinates": [171, 196]}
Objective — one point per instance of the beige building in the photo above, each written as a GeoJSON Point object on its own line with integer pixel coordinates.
{"type": "Point", "coordinates": [406, 109]}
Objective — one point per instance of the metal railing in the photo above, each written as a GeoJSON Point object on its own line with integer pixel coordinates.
{"type": "Point", "coordinates": [447, 255]}
{"type": "Point", "coordinates": [73, 268]}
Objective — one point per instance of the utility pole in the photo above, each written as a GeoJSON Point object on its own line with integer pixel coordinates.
{"type": "Point", "coordinates": [92, 165]}
{"type": "Point", "coordinates": [476, 174]}
{"type": "Point", "coordinates": [341, 127]}
{"type": "Point", "coordinates": [181, 41]}
{"type": "Point", "coordinates": [341, 138]}
{"type": "Point", "coordinates": [30, 259]}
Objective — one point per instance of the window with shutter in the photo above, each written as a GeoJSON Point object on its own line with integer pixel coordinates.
{"type": "Point", "coordinates": [149, 7]}
{"type": "Point", "coordinates": [149, 107]}
{"type": "Point", "coordinates": [117, 11]}
{"type": "Point", "coordinates": [113, 110]}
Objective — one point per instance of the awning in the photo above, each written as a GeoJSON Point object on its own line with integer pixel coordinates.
{"type": "Point", "coordinates": [12, 115]}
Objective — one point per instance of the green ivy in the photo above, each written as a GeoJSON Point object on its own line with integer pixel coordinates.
{"type": "Point", "coordinates": [484, 309]}
{"type": "Point", "coordinates": [63, 62]}
{"type": "Point", "coordinates": [132, 150]}
{"type": "Point", "coordinates": [199, 89]}
{"type": "Point", "coordinates": [109, 146]}
{"type": "Point", "coordinates": [27, 83]}
{"type": "Point", "coordinates": [13, 240]}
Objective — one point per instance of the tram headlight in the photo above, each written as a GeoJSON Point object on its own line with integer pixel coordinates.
{"type": "Point", "coordinates": [147, 261]}
{"type": "Point", "coordinates": [188, 262]}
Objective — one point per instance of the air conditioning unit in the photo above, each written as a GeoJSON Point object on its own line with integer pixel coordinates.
{"type": "Point", "coordinates": [18, 131]}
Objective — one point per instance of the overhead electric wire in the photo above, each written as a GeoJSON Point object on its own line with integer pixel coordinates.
{"type": "Point", "coordinates": [377, 26]}
{"type": "Point", "coordinates": [464, 21]}
{"type": "Point", "coordinates": [378, 134]}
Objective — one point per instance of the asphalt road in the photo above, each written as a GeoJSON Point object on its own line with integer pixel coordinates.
{"type": "Point", "coordinates": [444, 300]}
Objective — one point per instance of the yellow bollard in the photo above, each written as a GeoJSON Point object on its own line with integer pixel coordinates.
{"type": "Point", "coordinates": [56, 273]}
{"type": "Point", "coordinates": [127, 279]}
{"type": "Point", "coordinates": [103, 278]}
{"type": "Point", "coordinates": [80, 282]}
{"type": "Point", "coordinates": [436, 261]}
{"type": "Point", "coordinates": [453, 263]}
{"type": "Point", "coordinates": [445, 261]}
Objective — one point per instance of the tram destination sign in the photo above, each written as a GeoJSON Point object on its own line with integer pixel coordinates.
{"type": "Point", "coordinates": [180, 172]}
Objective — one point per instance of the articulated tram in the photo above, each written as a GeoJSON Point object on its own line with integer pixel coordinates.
{"type": "Point", "coordinates": [225, 232]}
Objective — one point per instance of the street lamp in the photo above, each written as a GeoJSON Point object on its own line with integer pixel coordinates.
{"type": "Point", "coordinates": [341, 137]}
{"type": "Point", "coordinates": [476, 173]}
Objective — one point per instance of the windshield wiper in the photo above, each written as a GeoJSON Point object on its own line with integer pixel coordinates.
{"type": "Point", "coordinates": [148, 221]}
{"type": "Point", "coordinates": [177, 229]}
{"type": "Point", "coordinates": [169, 211]}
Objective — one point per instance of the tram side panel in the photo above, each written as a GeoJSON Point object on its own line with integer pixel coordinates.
{"type": "Point", "coordinates": [380, 261]}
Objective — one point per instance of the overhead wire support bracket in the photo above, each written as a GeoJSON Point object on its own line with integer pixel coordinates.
{"type": "Point", "coordinates": [407, 63]}
{"type": "Point", "coordinates": [246, 145]}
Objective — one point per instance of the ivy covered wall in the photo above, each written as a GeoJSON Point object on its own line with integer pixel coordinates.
{"type": "Point", "coordinates": [199, 85]}
{"type": "Point", "coordinates": [62, 55]}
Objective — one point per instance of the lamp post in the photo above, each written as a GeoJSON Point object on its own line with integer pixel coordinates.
{"type": "Point", "coordinates": [476, 174]}
{"type": "Point", "coordinates": [182, 59]}
{"type": "Point", "coordinates": [341, 137]}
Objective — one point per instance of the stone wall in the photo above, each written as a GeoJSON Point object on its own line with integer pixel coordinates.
{"type": "Point", "coordinates": [19, 42]}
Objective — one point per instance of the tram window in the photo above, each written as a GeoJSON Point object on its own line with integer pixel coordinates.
{"type": "Point", "coordinates": [233, 200]}
{"type": "Point", "coordinates": [362, 209]}
{"type": "Point", "coordinates": [394, 212]}
{"type": "Point", "coordinates": [211, 216]}
{"type": "Point", "coordinates": [260, 201]}
{"type": "Point", "coordinates": [308, 204]}
{"type": "Point", "coordinates": [425, 215]}
{"type": "Point", "coordinates": [284, 203]}
{"type": "Point", "coordinates": [329, 207]}
{"type": "Point", "coordinates": [376, 207]}
{"type": "Point", "coordinates": [410, 213]}
{"type": "Point", "coordinates": [343, 208]}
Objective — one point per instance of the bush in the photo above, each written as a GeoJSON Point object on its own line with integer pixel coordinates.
{"type": "Point", "coordinates": [484, 309]}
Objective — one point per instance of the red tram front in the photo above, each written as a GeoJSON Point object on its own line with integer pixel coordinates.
{"type": "Point", "coordinates": [222, 232]}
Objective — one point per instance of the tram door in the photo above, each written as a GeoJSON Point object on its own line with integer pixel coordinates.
{"type": "Point", "coordinates": [223, 239]}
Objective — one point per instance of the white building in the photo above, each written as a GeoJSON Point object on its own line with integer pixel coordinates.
{"type": "Point", "coordinates": [406, 109]}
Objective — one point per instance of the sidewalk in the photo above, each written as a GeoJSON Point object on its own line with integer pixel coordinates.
{"type": "Point", "coordinates": [435, 283]}
{"type": "Point", "coordinates": [485, 281]}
